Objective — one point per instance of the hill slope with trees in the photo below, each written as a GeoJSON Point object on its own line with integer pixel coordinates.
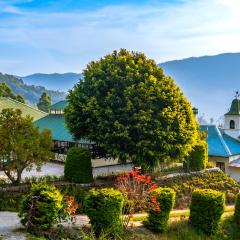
{"type": "Point", "coordinates": [54, 81]}
{"type": "Point", "coordinates": [30, 93]}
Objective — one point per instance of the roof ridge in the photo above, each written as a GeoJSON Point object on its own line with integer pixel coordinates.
{"type": "Point", "coordinates": [59, 102]}
{"type": "Point", "coordinates": [227, 135]}
{"type": "Point", "coordinates": [24, 104]}
{"type": "Point", "coordinates": [222, 141]}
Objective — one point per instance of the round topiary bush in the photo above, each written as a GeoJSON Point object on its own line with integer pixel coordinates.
{"type": "Point", "coordinates": [157, 219]}
{"type": "Point", "coordinates": [40, 209]}
{"type": "Point", "coordinates": [104, 208]}
{"type": "Point", "coordinates": [237, 210]}
{"type": "Point", "coordinates": [78, 166]}
{"type": "Point", "coordinates": [198, 157]}
{"type": "Point", "coordinates": [206, 209]}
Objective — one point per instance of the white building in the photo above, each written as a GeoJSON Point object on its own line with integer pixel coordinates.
{"type": "Point", "coordinates": [224, 144]}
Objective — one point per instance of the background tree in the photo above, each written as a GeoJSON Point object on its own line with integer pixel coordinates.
{"type": "Point", "coordinates": [6, 91]}
{"type": "Point", "coordinates": [21, 144]}
{"type": "Point", "coordinates": [126, 104]}
{"type": "Point", "coordinates": [44, 102]}
{"type": "Point", "coordinates": [20, 99]}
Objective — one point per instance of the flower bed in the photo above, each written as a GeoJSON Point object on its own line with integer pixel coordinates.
{"type": "Point", "coordinates": [185, 185]}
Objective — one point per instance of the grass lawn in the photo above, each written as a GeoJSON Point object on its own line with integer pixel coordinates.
{"type": "Point", "coordinates": [181, 230]}
{"type": "Point", "coordinates": [176, 215]}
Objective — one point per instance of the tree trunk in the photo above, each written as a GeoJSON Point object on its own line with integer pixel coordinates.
{"type": "Point", "coordinates": [11, 178]}
{"type": "Point", "coordinates": [19, 177]}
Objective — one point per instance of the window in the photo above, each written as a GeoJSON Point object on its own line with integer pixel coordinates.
{"type": "Point", "coordinates": [232, 124]}
{"type": "Point", "coordinates": [221, 165]}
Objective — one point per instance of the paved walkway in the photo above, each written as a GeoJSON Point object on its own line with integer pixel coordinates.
{"type": "Point", "coordinates": [56, 169]}
{"type": "Point", "coordinates": [10, 226]}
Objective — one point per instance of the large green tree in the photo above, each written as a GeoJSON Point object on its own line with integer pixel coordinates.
{"type": "Point", "coordinates": [22, 146]}
{"type": "Point", "coordinates": [6, 91]}
{"type": "Point", "coordinates": [44, 102]}
{"type": "Point", "coordinates": [127, 105]}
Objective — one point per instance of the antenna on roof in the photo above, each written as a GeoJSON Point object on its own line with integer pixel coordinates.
{"type": "Point", "coordinates": [237, 94]}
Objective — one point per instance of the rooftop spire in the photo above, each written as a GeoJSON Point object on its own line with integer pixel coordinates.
{"type": "Point", "coordinates": [237, 95]}
{"type": "Point", "coordinates": [235, 106]}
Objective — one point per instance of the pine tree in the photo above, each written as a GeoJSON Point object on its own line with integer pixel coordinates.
{"type": "Point", "coordinates": [44, 102]}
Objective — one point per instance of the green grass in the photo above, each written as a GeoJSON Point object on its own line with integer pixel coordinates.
{"type": "Point", "coordinates": [181, 230]}
{"type": "Point", "coordinates": [229, 210]}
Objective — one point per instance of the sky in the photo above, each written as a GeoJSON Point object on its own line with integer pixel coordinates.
{"type": "Point", "coordinates": [64, 35]}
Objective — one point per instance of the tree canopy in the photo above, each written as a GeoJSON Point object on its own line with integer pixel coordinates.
{"type": "Point", "coordinates": [127, 105]}
{"type": "Point", "coordinates": [21, 144]}
{"type": "Point", "coordinates": [44, 102]}
{"type": "Point", "coordinates": [6, 91]}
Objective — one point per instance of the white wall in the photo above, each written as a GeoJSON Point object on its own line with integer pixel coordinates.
{"type": "Point", "coordinates": [234, 173]}
{"type": "Point", "coordinates": [235, 133]}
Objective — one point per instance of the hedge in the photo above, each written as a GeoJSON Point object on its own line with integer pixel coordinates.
{"type": "Point", "coordinates": [157, 220]}
{"type": "Point", "coordinates": [237, 210]}
{"type": "Point", "coordinates": [104, 209]}
{"type": "Point", "coordinates": [40, 208]}
{"type": "Point", "coordinates": [198, 158]}
{"type": "Point", "coordinates": [206, 209]}
{"type": "Point", "coordinates": [78, 167]}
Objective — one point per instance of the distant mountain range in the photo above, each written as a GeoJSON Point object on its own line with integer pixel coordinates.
{"type": "Point", "coordinates": [31, 93]}
{"type": "Point", "coordinates": [209, 82]}
{"type": "Point", "coordinates": [54, 81]}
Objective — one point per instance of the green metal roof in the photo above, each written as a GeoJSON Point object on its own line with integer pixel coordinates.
{"type": "Point", "coordinates": [59, 105]}
{"type": "Point", "coordinates": [235, 107]}
{"type": "Point", "coordinates": [56, 123]}
{"type": "Point", "coordinates": [26, 109]}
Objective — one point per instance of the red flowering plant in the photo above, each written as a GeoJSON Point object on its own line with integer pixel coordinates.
{"type": "Point", "coordinates": [138, 192]}
{"type": "Point", "coordinates": [69, 209]}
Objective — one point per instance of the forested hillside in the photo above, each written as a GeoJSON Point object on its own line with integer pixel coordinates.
{"type": "Point", "coordinates": [31, 93]}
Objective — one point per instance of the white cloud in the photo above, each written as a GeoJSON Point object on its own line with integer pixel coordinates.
{"type": "Point", "coordinates": [67, 41]}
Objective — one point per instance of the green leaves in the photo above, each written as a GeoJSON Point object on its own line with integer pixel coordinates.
{"type": "Point", "coordinates": [44, 102]}
{"type": "Point", "coordinates": [21, 144]}
{"type": "Point", "coordinates": [6, 91]}
{"type": "Point", "coordinates": [127, 105]}
{"type": "Point", "coordinates": [206, 209]}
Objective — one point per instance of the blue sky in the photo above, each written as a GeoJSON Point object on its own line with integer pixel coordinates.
{"type": "Point", "coordinates": [64, 35]}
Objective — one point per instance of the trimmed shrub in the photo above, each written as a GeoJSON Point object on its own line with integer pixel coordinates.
{"type": "Point", "coordinates": [198, 158]}
{"type": "Point", "coordinates": [104, 208]}
{"type": "Point", "coordinates": [78, 167]}
{"type": "Point", "coordinates": [157, 220]}
{"type": "Point", "coordinates": [40, 209]}
{"type": "Point", "coordinates": [206, 209]}
{"type": "Point", "coordinates": [237, 210]}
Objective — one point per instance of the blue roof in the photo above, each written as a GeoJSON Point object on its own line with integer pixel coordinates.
{"type": "Point", "coordinates": [219, 143]}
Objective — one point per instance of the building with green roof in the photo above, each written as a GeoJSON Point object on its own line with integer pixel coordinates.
{"type": "Point", "coordinates": [25, 109]}
{"type": "Point", "coordinates": [55, 122]}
